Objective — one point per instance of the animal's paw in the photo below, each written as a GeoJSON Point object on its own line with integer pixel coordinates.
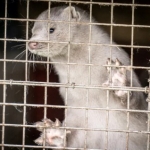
{"type": "Point", "coordinates": [117, 76]}
{"type": "Point", "coordinates": [51, 134]}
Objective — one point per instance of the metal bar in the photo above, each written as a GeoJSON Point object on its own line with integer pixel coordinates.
{"type": "Point", "coordinates": [26, 78]}
{"type": "Point", "coordinates": [93, 44]}
{"type": "Point", "coordinates": [73, 107]}
{"type": "Point", "coordinates": [68, 73]}
{"type": "Point", "coordinates": [84, 23]}
{"type": "Point", "coordinates": [148, 118]}
{"type": "Point", "coordinates": [70, 85]}
{"type": "Point", "coordinates": [98, 3]}
{"type": "Point", "coordinates": [89, 77]}
{"type": "Point", "coordinates": [47, 147]}
{"type": "Point", "coordinates": [78, 128]}
{"type": "Point", "coordinates": [45, 62]}
{"type": "Point", "coordinates": [4, 78]}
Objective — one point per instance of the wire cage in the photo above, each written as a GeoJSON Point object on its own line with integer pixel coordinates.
{"type": "Point", "coordinates": [102, 101]}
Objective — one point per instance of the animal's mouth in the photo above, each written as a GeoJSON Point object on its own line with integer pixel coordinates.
{"type": "Point", "coordinates": [37, 49]}
{"type": "Point", "coordinates": [42, 52]}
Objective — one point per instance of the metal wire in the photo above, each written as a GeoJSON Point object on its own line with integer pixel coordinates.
{"type": "Point", "coordinates": [4, 77]}
{"type": "Point", "coordinates": [26, 83]}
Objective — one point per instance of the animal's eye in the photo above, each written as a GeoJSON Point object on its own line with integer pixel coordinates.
{"type": "Point", "coordinates": [51, 30]}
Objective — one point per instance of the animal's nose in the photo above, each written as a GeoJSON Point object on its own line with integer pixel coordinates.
{"type": "Point", "coordinates": [33, 45]}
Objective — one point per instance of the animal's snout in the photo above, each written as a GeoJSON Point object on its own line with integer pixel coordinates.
{"type": "Point", "coordinates": [33, 45]}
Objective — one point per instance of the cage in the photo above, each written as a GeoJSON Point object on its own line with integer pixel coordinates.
{"type": "Point", "coordinates": [98, 99]}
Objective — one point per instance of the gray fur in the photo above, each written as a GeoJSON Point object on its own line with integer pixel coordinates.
{"type": "Point", "coordinates": [79, 53]}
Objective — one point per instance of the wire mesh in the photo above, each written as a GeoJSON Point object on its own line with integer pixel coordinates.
{"type": "Point", "coordinates": [24, 125]}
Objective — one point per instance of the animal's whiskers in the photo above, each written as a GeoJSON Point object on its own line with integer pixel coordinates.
{"type": "Point", "coordinates": [19, 46]}
{"type": "Point", "coordinates": [20, 55]}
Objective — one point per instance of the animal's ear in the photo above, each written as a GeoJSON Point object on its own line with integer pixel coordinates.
{"type": "Point", "coordinates": [74, 14]}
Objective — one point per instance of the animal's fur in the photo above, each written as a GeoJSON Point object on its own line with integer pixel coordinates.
{"type": "Point", "coordinates": [79, 74]}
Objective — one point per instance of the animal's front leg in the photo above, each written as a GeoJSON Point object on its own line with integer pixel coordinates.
{"type": "Point", "coordinates": [51, 134]}
{"type": "Point", "coordinates": [117, 76]}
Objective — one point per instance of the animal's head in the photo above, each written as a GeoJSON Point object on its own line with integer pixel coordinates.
{"type": "Point", "coordinates": [54, 28]}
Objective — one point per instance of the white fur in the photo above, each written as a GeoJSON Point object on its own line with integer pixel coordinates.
{"type": "Point", "coordinates": [52, 135]}
{"type": "Point", "coordinates": [79, 74]}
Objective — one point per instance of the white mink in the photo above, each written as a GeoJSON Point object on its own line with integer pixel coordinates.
{"type": "Point", "coordinates": [79, 74]}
